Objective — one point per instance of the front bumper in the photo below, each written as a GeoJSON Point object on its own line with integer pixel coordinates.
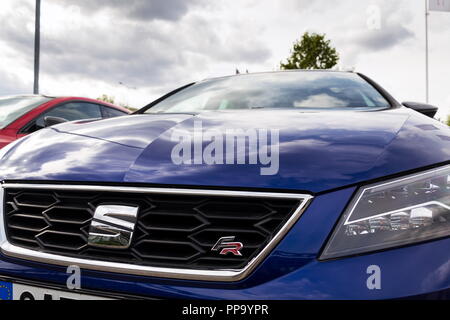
{"type": "Point", "coordinates": [291, 271]}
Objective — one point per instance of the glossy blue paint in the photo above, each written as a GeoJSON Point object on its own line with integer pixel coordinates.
{"type": "Point", "coordinates": [291, 272]}
{"type": "Point", "coordinates": [318, 151]}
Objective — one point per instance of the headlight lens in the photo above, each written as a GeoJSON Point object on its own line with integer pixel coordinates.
{"type": "Point", "coordinates": [394, 213]}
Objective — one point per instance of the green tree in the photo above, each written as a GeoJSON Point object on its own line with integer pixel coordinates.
{"type": "Point", "coordinates": [106, 98]}
{"type": "Point", "coordinates": [111, 99]}
{"type": "Point", "coordinates": [448, 120]}
{"type": "Point", "coordinates": [128, 107]}
{"type": "Point", "coordinates": [313, 51]}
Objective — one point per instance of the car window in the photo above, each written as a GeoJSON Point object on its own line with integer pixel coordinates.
{"type": "Point", "coordinates": [72, 111]}
{"type": "Point", "coordinates": [12, 108]}
{"type": "Point", "coordinates": [111, 112]}
{"type": "Point", "coordinates": [278, 90]}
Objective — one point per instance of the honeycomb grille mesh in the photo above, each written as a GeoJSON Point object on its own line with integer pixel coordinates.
{"type": "Point", "coordinates": [176, 231]}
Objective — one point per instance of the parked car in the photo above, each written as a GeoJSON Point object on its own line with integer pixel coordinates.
{"type": "Point", "coordinates": [283, 185]}
{"type": "Point", "coordinates": [22, 115]}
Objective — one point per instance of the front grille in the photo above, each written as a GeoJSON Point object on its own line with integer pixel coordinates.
{"type": "Point", "coordinates": [173, 230]}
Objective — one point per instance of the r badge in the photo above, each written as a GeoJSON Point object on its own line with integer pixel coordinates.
{"type": "Point", "coordinates": [228, 245]}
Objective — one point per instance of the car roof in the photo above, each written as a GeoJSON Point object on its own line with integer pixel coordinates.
{"type": "Point", "coordinates": [104, 103]}
{"type": "Point", "coordinates": [280, 71]}
{"type": "Point", "coordinates": [63, 98]}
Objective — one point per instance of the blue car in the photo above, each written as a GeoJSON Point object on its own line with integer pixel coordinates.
{"type": "Point", "coordinates": [280, 185]}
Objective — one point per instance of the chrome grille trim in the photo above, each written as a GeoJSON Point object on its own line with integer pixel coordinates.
{"type": "Point", "coordinates": [228, 275]}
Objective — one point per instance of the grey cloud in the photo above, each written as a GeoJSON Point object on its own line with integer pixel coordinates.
{"type": "Point", "coordinates": [136, 53]}
{"type": "Point", "coordinates": [13, 31]}
{"type": "Point", "coordinates": [129, 53]}
{"type": "Point", "coordinates": [121, 56]}
{"type": "Point", "coordinates": [10, 85]}
{"type": "Point", "coordinates": [385, 38]}
{"type": "Point", "coordinates": [138, 9]}
{"type": "Point", "coordinates": [304, 5]}
{"type": "Point", "coordinates": [200, 38]}
{"type": "Point", "coordinates": [394, 31]}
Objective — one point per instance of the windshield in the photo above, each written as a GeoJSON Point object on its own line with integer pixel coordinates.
{"type": "Point", "coordinates": [12, 108]}
{"type": "Point", "coordinates": [293, 90]}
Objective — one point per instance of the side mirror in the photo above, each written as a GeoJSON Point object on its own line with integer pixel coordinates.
{"type": "Point", "coordinates": [51, 121]}
{"type": "Point", "coordinates": [423, 108]}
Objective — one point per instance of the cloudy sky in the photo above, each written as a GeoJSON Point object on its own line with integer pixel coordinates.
{"type": "Point", "coordinates": [136, 50]}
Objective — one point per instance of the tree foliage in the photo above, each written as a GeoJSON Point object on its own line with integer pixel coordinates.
{"type": "Point", "coordinates": [313, 51]}
{"type": "Point", "coordinates": [111, 99]}
{"type": "Point", "coordinates": [106, 98]}
{"type": "Point", "coordinates": [448, 120]}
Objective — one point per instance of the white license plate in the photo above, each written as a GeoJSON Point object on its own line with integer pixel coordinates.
{"type": "Point", "coordinates": [15, 291]}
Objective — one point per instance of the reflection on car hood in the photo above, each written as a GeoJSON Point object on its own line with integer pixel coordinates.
{"type": "Point", "coordinates": [317, 151]}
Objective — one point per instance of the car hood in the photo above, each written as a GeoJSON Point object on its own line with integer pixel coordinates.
{"type": "Point", "coordinates": [318, 151]}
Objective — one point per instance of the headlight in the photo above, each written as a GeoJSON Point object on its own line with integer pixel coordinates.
{"type": "Point", "coordinates": [394, 213]}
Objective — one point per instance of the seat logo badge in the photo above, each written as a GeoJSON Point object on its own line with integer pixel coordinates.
{"type": "Point", "coordinates": [227, 245]}
{"type": "Point", "coordinates": [112, 226]}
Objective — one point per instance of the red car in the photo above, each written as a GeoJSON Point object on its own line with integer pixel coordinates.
{"type": "Point", "coordinates": [22, 115]}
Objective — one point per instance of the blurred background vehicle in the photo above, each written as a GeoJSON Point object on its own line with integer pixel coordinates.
{"type": "Point", "coordinates": [22, 115]}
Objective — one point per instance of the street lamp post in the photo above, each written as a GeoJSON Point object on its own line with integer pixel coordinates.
{"type": "Point", "coordinates": [37, 44]}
